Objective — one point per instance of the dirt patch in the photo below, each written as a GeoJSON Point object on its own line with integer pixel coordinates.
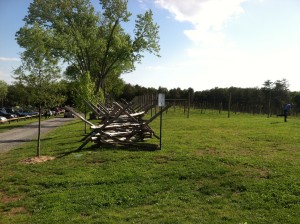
{"type": "Point", "coordinates": [6, 199]}
{"type": "Point", "coordinates": [37, 159]}
{"type": "Point", "coordinates": [206, 151]}
{"type": "Point", "coordinates": [261, 173]}
{"type": "Point", "coordinates": [17, 210]}
{"type": "Point", "coordinates": [161, 159]}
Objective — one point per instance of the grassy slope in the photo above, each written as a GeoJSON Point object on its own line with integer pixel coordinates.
{"type": "Point", "coordinates": [211, 170]}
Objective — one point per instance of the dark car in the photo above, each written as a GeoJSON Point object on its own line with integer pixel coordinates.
{"type": "Point", "coordinates": [21, 113]}
{"type": "Point", "coordinates": [31, 113]}
{"type": "Point", "coordinates": [24, 113]}
{"type": "Point", "coordinates": [68, 114]}
{"type": "Point", "coordinates": [3, 113]}
{"type": "Point", "coordinates": [9, 111]}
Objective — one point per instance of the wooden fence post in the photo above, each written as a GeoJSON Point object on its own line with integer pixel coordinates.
{"type": "Point", "coordinates": [229, 105]}
{"type": "Point", "coordinates": [189, 104]}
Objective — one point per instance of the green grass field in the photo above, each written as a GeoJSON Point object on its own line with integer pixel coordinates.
{"type": "Point", "coordinates": [211, 169]}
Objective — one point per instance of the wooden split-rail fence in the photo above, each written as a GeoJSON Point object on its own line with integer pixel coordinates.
{"type": "Point", "coordinates": [17, 119]}
{"type": "Point", "coordinates": [120, 124]}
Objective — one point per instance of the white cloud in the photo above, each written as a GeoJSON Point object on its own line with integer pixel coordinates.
{"type": "Point", "coordinates": [216, 59]}
{"type": "Point", "coordinates": [208, 17]}
{"type": "Point", "coordinates": [9, 59]}
{"type": "Point", "coordinates": [154, 68]}
{"type": "Point", "coordinates": [143, 4]}
{"type": "Point", "coordinates": [6, 76]}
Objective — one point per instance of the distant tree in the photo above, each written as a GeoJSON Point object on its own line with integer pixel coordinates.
{"type": "Point", "coordinates": [163, 90]}
{"type": "Point", "coordinates": [17, 95]}
{"type": "Point", "coordinates": [295, 98]}
{"type": "Point", "coordinates": [3, 90]}
{"type": "Point", "coordinates": [267, 89]}
{"type": "Point", "coordinates": [114, 87]}
{"type": "Point", "coordinates": [175, 93]}
{"type": "Point", "coordinates": [281, 94]}
{"type": "Point", "coordinates": [129, 92]}
{"type": "Point", "coordinates": [256, 100]}
{"type": "Point", "coordinates": [39, 71]}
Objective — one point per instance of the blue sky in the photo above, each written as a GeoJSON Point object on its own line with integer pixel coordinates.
{"type": "Point", "coordinates": [204, 43]}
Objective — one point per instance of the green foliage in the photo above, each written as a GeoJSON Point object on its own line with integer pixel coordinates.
{"type": "Point", "coordinates": [93, 42]}
{"type": "Point", "coordinates": [85, 91]}
{"type": "Point", "coordinates": [295, 96]}
{"type": "Point", "coordinates": [129, 91]}
{"type": "Point", "coordinates": [18, 95]}
{"type": "Point", "coordinates": [146, 35]}
{"type": "Point", "coordinates": [114, 86]}
{"type": "Point", "coordinates": [3, 90]}
{"type": "Point", "coordinates": [211, 169]}
{"type": "Point", "coordinates": [39, 70]}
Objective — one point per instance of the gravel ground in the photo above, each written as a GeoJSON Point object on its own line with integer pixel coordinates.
{"type": "Point", "coordinates": [17, 136]}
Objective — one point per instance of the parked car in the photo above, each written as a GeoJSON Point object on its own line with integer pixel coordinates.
{"type": "Point", "coordinates": [20, 113]}
{"type": "Point", "coordinates": [30, 113]}
{"type": "Point", "coordinates": [57, 110]}
{"type": "Point", "coordinates": [24, 113]}
{"type": "Point", "coordinates": [9, 111]}
{"type": "Point", "coordinates": [3, 119]}
{"type": "Point", "coordinates": [3, 113]}
{"type": "Point", "coordinates": [68, 114]}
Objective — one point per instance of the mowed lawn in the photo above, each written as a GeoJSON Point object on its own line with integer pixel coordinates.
{"type": "Point", "coordinates": [211, 169]}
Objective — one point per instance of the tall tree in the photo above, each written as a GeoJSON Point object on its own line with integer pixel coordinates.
{"type": "Point", "coordinates": [94, 42]}
{"type": "Point", "coordinates": [39, 70]}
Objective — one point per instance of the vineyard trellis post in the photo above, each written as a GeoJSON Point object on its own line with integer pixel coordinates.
{"type": "Point", "coordinates": [229, 105]}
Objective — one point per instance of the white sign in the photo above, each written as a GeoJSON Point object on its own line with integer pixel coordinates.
{"type": "Point", "coordinates": [161, 99]}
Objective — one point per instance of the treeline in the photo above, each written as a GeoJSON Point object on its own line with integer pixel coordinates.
{"type": "Point", "coordinates": [17, 94]}
{"type": "Point", "coordinates": [269, 99]}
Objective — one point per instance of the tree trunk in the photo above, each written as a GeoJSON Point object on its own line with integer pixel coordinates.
{"type": "Point", "coordinates": [38, 149]}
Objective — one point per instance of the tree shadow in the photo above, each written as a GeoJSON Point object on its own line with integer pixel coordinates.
{"type": "Point", "coordinates": [276, 122]}
{"type": "Point", "coordinates": [142, 146]}
{"type": "Point", "coordinates": [148, 147]}
{"type": "Point", "coordinates": [22, 140]}
{"type": "Point", "coordinates": [14, 141]}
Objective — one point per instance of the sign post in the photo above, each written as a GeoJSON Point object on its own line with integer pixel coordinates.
{"type": "Point", "coordinates": [161, 104]}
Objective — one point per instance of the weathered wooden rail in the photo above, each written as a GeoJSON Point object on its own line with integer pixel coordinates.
{"type": "Point", "coordinates": [120, 124]}
{"type": "Point", "coordinates": [17, 119]}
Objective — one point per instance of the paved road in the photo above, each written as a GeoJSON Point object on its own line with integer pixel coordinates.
{"type": "Point", "coordinates": [17, 136]}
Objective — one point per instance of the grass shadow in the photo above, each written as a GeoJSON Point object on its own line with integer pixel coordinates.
{"type": "Point", "coordinates": [22, 140]}
{"type": "Point", "coordinates": [142, 146]}
{"type": "Point", "coordinates": [277, 122]}
{"type": "Point", "coordinates": [148, 147]}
